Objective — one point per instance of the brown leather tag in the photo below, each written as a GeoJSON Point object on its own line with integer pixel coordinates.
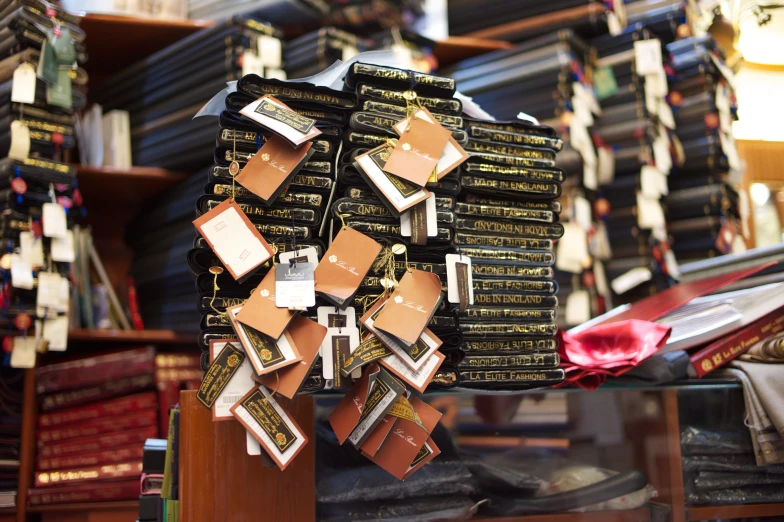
{"type": "Point", "coordinates": [409, 309]}
{"type": "Point", "coordinates": [261, 313]}
{"type": "Point", "coordinates": [344, 265]}
{"type": "Point", "coordinates": [463, 292]}
{"type": "Point", "coordinates": [418, 151]}
{"type": "Point", "coordinates": [272, 167]}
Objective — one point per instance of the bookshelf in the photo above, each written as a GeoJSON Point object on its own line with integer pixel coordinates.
{"type": "Point", "coordinates": [129, 336]}
{"type": "Point", "coordinates": [735, 511]}
{"type": "Point", "coordinates": [634, 515]}
{"type": "Point", "coordinates": [115, 187]}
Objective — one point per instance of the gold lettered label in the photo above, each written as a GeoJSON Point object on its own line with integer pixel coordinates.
{"type": "Point", "coordinates": [270, 421]}
{"type": "Point", "coordinates": [370, 350]}
{"type": "Point", "coordinates": [288, 117]}
{"type": "Point", "coordinates": [220, 373]}
{"type": "Point", "coordinates": [543, 272]}
{"type": "Point", "coordinates": [512, 375]}
{"type": "Point", "coordinates": [405, 188]}
{"type": "Point", "coordinates": [378, 392]}
{"type": "Point", "coordinates": [424, 452]}
{"type": "Point", "coordinates": [417, 350]}
{"type": "Point", "coordinates": [511, 313]}
{"type": "Point", "coordinates": [514, 285]}
{"type": "Point", "coordinates": [341, 351]}
{"type": "Point", "coordinates": [402, 409]}
{"type": "Point", "coordinates": [268, 351]}
{"type": "Point", "coordinates": [510, 345]}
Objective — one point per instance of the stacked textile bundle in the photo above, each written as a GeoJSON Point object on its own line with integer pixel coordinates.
{"type": "Point", "coordinates": [703, 209]}
{"type": "Point", "coordinates": [635, 132]}
{"type": "Point", "coordinates": [163, 92]}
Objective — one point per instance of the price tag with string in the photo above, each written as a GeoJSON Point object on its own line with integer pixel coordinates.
{"type": "Point", "coordinates": [337, 347]}
{"type": "Point", "coordinates": [294, 279]}
{"type": "Point", "coordinates": [459, 280]}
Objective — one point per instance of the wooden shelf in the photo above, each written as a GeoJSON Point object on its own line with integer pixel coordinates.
{"type": "Point", "coordinates": [533, 25]}
{"type": "Point", "coordinates": [735, 511]}
{"type": "Point", "coordinates": [634, 515]}
{"type": "Point", "coordinates": [122, 505]}
{"type": "Point", "coordinates": [129, 336]}
{"type": "Point", "coordinates": [133, 186]}
{"type": "Point", "coordinates": [456, 48]}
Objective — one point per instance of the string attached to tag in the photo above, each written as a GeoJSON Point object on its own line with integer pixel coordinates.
{"type": "Point", "coordinates": [215, 271]}
{"type": "Point", "coordinates": [342, 220]}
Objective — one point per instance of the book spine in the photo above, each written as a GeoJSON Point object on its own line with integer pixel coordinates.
{"type": "Point", "coordinates": [99, 443]}
{"type": "Point", "coordinates": [133, 305]}
{"type": "Point", "coordinates": [91, 492]}
{"type": "Point", "coordinates": [111, 456]}
{"type": "Point", "coordinates": [99, 426]}
{"type": "Point", "coordinates": [94, 370]}
{"type": "Point", "coordinates": [168, 396]}
{"type": "Point", "coordinates": [132, 403]}
{"type": "Point", "coordinates": [720, 352]}
{"type": "Point", "coordinates": [93, 473]}
{"type": "Point", "coordinates": [107, 390]}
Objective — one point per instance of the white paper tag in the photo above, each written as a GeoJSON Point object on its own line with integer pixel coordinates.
{"type": "Point", "coordinates": [572, 249]}
{"type": "Point", "coordinates": [582, 111]}
{"type": "Point", "coordinates": [302, 255]}
{"type": "Point", "coordinates": [55, 331]}
{"type": "Point", "coordinates": [613, 24]}
{"type": "Point", "coordinates": [652, 103]}
{"type": "Point", "coordinates": [275, 74]}
{"type": "Point", "coordinates": [23, 87]}
{"type": "Point", "coordinates": [48, 295]}
{"type": "Point", "coordinates": [578, 307]}
{"type": "Point", "coordinates": [403, 56]}
{"type": "Point", "coordinates": [328, 355]}
{"type": "Point", "coordinates": [251, 64]}
{"type": "Point", "coordinates": [744, 209]}
{"type": "Point", "coordinates": [653, 184]}
{"type": "Point", "coordinates": [270, 51]}
{"type": "Point", "coordinates": [256, 112]}
{"type": "Point", "coordinates": [23, 354]}
{"type": "Point", "coordinates": [650, 214]}
{"type": "Point", "coordinates": [62, 249]}
{"type": "Point", "coordinates": [631, 279]}
{"type": "Point", "coordinates": [738, 245]}
{"type": "Point", "coordinates": [582, 212]}
{"type": "Point", "coordinates": [332, 316]}
{"type": "Point", "coordinates": [234, 242]}
{"type": "Point", "coordinates": [21, 273]}
{"type": "Point", "coordinates": [237, 387]}
{"type": "Point", "coordinates": [453, 292]}
{"type": "Point", "coordinates": [606, 168]}
{"type": "Point", "coordinates": [647, 57]}
{"type": "Point", "coordinates": [656, 83]}
{"type": "Point", "coordinates": [432, 225]}
{"type": "Point", "coordinates": [590, 178]}
{"type": "Point", "coordinates": [661, 154]}
{"type": "Point", "coordinates": [20, 141]}
{"type": "Point", "coordinates": [665, 114]}
{"type": "Point", "coordinates": [349, 51]}
{"type": "Point", "coordinates": [295, 285]}
{"type": "Point", "coordinates": [725, 122]}
{"type": "Point", "coordinates": [600, 243]}
{"type": "Point", "coordinates": [54, 221]}
{"type": "Point", "coordinates": [600, 277]}
{"type": "Point", "coordinates": [672, 264]}
{"type": "Point", "coordinates": [722, 98]}
{"type": "Point", "coordinates": [31, 248]}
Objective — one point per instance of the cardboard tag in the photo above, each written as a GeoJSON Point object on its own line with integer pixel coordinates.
{"type": "Point", "coordinates": [251, 64]}
{"type": "Point", "coordinates": [650, 214]}
{"type": "Point", "coordinates": [300, 255]}
{"type": "Point", "coordinates": [270, 51]}
{"type": "Point", "coordinates": [370, 350]}
{"type": "Point", "coordinates": [271, 425]}
{"type": "Point", "coordinates": [275, 74]}
{"type": "Point", "coordinates": [20, 141]}
{"type": "Point", "coordinates": [63, 46]}
{"type": "Point", "coordinates": [426, 453]}
{"type": "Point", "coordinates": [334, 317]}
{"type": "Point", "coordinates": [417, 379]}
{"type": "Point", "coordinates": [383, 393]}
{"type": "Point", "coordinates": [238, 385]}
{"type": "Point", "coordinates": [59, 93]}
{"type": "Point", "coordinates": [726, 236]}
{"type": "Point", "coordinates": [336, 350]}
{"type": "Point", "coordinates": [271, 169]}
{"type": "Point", "coordinates": [54, 331]}
{"type": "Point", "coordinates": [307, 336]}
{"type": "Point", "coordinates": [48, 295]}
{"type": "Point", "coordinates": [21, 273]}
{"type": "Point", "coordinates": [266, 354]}
{"type": "Point", "coordinates": [606, 166]}
{"type": "Point", "coordinates": [373, 442]}
{"type": "Point", "coordinates": [656, 83]}
{"type": "Point", "coordinates": [653, 184]}
{"type": "Point", "coordinates": [398, 194]}
{"type": "Point", "coordinates": [221, 371]}
{"type": "Point", "coordinates": [280, 119]}
{"type": "Point", "coordinates": [418, 151]}
{"type": "Point", "coordinates": [631, 279]}
{"type": "Point", "coordinates": [345, 264]}
{"type": "Point", "coordinates": [31, 248]}
{"type": "Point", "coordinates": [294, 285]}
{"type": "Point", "coordinates": [582, 213]}
{"type": "Point", "coordinates": [346, 416]}
{"type": "Point", "coordinates": [419, 222]}
{"type": "Point", "coordinates": [62, 248]}
{"type": "Point", "coordinates": [48, 68]}
{"type": "Point", "coordinates": [23, 86]}
{"type": "Point", "coordinates": [234, 239]}
{"type": "Point", "coordinates": [572, 249]}
{"type": "Point", "coordinates": [23, 353]}
{"type": "Point", "coordinates": [578, 307]}
{"type": "Point", "coordinates": [604, 82]}
{"type": "Point", "coordinates": [459, 280]}
{"type": "Point", "coordinates": [647, 57]}
{"type": "Point", "coordinates": [408, 310]}
{"type": "Point", "coordinates": [452, 155]}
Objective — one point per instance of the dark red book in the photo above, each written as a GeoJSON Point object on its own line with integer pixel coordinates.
{"type": "Point", "coordinates": [99, 426]}
{"type": "Point", "coordinates": [90, 371]}
{"type": "Point", "coordinates": [720, 352]}
{"type": "Point", "coordinates": [129, 453]}
{"type": "Point", "coordinates": [131, 403]}
{"type": "Point", "coordinates": [133, 304]}
{"type": "Point", "coordinates": [172, 376]}
{"type": "Point", "coordinates": [100, 473]}
{"type": "Point", "coordinates": [89, 492]}
{"type": "Point", "coordinates": [99, 443]}
{"type": "Point", "coordinates": [107, 390]}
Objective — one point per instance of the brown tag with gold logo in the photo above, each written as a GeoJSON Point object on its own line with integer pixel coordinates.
{"type": "Point", "coordinates": [418, 151]}
{"type": "Point", "coordinates": [344, 265]}
{"type": "Point", "coordinates": [220, 373]}
{"type": "Point", "coordinates": [370, 350]}
{"type": "Point", "coordinates": [260, 311]}
{"type": "Point", "coordinates": [407, 312]}
{"type": "Point", "coordinates": [271, 169]}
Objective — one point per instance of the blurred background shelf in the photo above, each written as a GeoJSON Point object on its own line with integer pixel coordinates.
{"type": "Point", "coordinates": [129, 336]}
{"type": "Point", "coordinates": [634, 515]}
{"type": "Point", "coordinates": [123, 505]}
{"type": "Point", "coordinates": [736, 511]}
{"type": "Point", "coordinates": [132, 186]}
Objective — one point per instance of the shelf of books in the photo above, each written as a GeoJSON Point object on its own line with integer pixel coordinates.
{"type": "Point", "coordinates": [634, 515]}
{"type": "Point", "coordinates": [129, 336]}
{"type": "Point", "coordinates": [735, 511]}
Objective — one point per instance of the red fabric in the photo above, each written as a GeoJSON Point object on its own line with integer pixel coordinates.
{"type": "Point", "coordinates": [608, 349]}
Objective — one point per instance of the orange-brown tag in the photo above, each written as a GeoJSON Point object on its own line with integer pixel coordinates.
{"type": "Point", "coordinates": [272, 167]}
{"type": "Point", "coordinates": [261, 313]}
{"type": "Point", "coordinates": [409, 309]}
{"type": "Point", "coordinates": [418, 151]}
{"type": "Point", "coordinates": [344, 265]}
{"type": "Point", "coordinates": [306, 335]}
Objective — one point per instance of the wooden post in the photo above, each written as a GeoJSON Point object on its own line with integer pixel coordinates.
{"type": "Point", "coordinates": [27, 445]}
{"type": "Point", "coordinates": [673, 434]}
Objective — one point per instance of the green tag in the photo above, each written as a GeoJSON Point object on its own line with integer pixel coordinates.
{"type": "Point", "coordinates": [604, 83]}
{"type": "Point", "coordinates": [48, 68]}
{"type": "Point", "coordinates": [60, 93]}
{"type": "Point", "coordinates": [63, 46]}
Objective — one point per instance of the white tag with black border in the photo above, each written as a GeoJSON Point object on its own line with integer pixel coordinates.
{"type": "Point", "coordinates": [300, 255]}
{"type": "Point", "coordinates": [54, 221]}
{"type": "Point", "coordinates": [334, 317]}
{"type": "Point", "coordinates": [341, 342]}
{"type": "Point", "coordinates": [431, 223]}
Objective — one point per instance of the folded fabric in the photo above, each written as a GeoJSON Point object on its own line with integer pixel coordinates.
{"type": "Point", "coordinates": [697, 441]}
{"type": "Point", "coordinates": [769, 350]}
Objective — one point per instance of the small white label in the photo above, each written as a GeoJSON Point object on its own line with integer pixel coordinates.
{"type": "Point", "coordinates": [270, 51]}
{"type": "Point", "coordinates": [63, 248]}
{"type": "Point", "coordinates": [432, 225]}
{"type": "Point", "coordinates": [582, 212]}
{"type": "Point", "coordinates": [251, 64]}
{"type": "Point", "coordinates": [738, 245]}
{"type": "Point", "coordinates": [599, 246]}
{"type": "Point", "coordinates": [453, 292]}
{"type": "Point", "coordinates": [252, 446]}
{"type": "Point", "coordinates": [656, 83]}
{"type": "Point", "coordinates": [55, 331]}
{"type": "Point", "coordinates": [647, 56]}
{"type": "Point", "coordinates": [661, 154]}
{"type": "Point", "coordinates": [672, 264]}
{"type": "Point", "coordinates": [295, 285]}
{"type": "Point", "coordinates": [310, 255]}
{"type": "Point", "coordinates": [665, 114]}
{"type": "Point", "coordinates": [20, 141]}
{"type": "Point", "coordinates": [652, 103]}
{"type": "Point", "coordinates": [606, 169]}
{"type": "Point", "coordinates": [578, 307]}
{"type": "Point", "coordinates": [649, 213]}
{"type": "Point", "coordinates": [653, 183]}
{"type": "Point", "coordinates": [601, 278]}
{"type": "Point", "coordinates": [21, 273]}
{"type": "Point", "coordinates": [631, 279]}
{"type": "Point", "coordinates": [23, 354]}
{"type": "Point", "coordinates": [324, 313]}
{"type": "Point", "coordinates": [23, 88]}
{"type": "Point", "coordinates": [275, 74]}
{"type": "Point", "coordinates": [54, 221]}
{"type": "Point", "coordinates": [49, 290]}
{"type": "Point", "coordinates": [613, 24]}
{"type": "Point", "coordinates": [349, 51]}
{"type": "Point", "coordinates": [572, 249]}
{"type": "Point", "coordinates": [31, 248]}
{"type": "Point", "coordinates": [590, 177]}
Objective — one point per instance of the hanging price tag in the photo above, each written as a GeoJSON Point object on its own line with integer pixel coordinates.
{"type": "Point", "coordinates": [20, 141]}
{"type": "Point", "coordinates": [294, 285]}
{"type": "Point", "coordinates": [21, 273]}
{"type": "Point", "coordinates": [54, 220]}
{"type": "Point", "coordinates": [23, 87]}
{"type": "Point", "coordinates": [270, 51]}
{"type": "Point", "coordinates": [647, 57]}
